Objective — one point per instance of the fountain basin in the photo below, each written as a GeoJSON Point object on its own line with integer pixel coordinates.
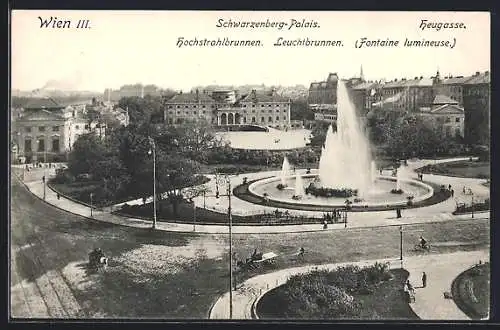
{"type": "Point", "coordinates": [381, 196]}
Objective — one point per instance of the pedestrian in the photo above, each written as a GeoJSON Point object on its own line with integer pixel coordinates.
{"type": "Point", "coordinates": [464, 190]}
{"type": "Point", "coordinates": [449, 187]}
{"type": "Point", "coordinates": [421, 176]}
{"type": "Point", "coordinates": [58, 196]}
{"type": "Point", "coordinates": [452, 192]}
{"type": "Point", "coordinates": [325, 224]}
{"type": "Point", "coordinates": [398, 213]}
{"type": "Point", "coordinates": [424, 280]}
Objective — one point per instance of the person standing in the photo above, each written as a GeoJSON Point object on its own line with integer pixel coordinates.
{"type": "Point", "coordinates": [424, 280]}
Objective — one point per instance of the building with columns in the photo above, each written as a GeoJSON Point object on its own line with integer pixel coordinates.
{"type": "Point", "coordinates": [446, 115]}
{"type": "Point", "coordinates": [226, 108]}
{"type": "Point", "coordinates": [47, 130]}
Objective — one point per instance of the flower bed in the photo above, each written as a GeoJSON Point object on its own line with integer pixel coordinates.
{"type": "Point", "coordinates": [330, 192]}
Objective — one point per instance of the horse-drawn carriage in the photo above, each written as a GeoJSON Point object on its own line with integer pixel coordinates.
{"type": "Point", "coordinates": [257, 259]}
{"type": "Point", "coordinates": [97, 259]}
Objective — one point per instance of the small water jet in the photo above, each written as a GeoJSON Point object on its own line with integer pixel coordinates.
{"type": "Point", "coordinates": [299, 188]}
{"type": "Point", "coordinates": [285, 171]}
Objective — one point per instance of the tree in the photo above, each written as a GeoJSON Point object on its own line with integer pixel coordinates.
{"type": "Point", "coordinates": [87, 152]}
{"type": "Point", "coordinates": [299, 110]}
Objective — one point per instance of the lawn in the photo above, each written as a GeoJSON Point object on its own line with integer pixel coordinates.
{"type": "Point", "coordinates": [471, 291]}
{"type": "Point", "coordinates": [466, 169]}
{"type": "Point", "coordinates": [80, 191]}
{"type": "Point", "coordinates": [386, 302]}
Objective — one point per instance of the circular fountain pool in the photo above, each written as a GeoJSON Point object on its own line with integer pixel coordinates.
{"type": "Point", "coordinates": [379, 196]}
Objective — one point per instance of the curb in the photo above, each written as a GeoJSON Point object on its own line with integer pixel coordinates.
{"type": "Point", "coordinates": [246, 233]}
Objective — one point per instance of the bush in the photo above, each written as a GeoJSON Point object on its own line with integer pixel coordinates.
{"type": "Point", "coordinates": [396, 191]}
{"type": "Point", "coordinates": [281, 186]}
{"type": "Point", "coordinates": [63, 176]}
{"type": "Point", "coordinates": [330, 192]}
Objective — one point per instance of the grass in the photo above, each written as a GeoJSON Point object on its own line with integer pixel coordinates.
{"type": "Point", "coordinates": [471, 291]}
{"type": "Point", "coordinates": [466, 169]}
{"type": "Point", "coordinates": [61, 238]}
{"type": "Point", "coordinates": [386, 302]}
{"type": "Point", "coordinates": [80, 191]}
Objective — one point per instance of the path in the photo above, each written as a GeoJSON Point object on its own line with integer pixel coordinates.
{"type": "Point", "coordinates": [433, 213]}
{"type": "Point", "coordinates": [429, 304]}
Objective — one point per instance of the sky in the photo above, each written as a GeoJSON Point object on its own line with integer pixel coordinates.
{"type": "Point", "coordinates": [127, 47]}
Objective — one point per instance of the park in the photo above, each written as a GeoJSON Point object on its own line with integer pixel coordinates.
{"type": "Point", "coordinates": [198, 226]}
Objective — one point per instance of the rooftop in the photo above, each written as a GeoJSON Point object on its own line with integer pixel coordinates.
{"type": "Point", "coordinates": [267, 96]}
{"type": "Point", "coordinates": [443, 99]}
{"type": "Point", "coordinates": [191, 98]}
{"type": "Point", "coordinates": [42, 103]}
{"type": "Point", "coordinates": [479, 78]}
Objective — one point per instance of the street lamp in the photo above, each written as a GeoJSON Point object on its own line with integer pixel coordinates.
{"type": "Point", "coordinates": [44, 166]}
{"type": "Point", "coordinates": [91, 215]}
{"type": "Point", "coordinates": [472, 206]}
{"type": "Point", "coordinates": [152, 150]}
{"type": "Point", "coordinates": [194, 215]}
{"type": "Point", "coordinates": [230, 216]}
{"type": "Point", "coordinates": [401, 245]}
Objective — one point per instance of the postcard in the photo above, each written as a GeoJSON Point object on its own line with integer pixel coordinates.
{"type": "Point", "coordinates": [237, 165]}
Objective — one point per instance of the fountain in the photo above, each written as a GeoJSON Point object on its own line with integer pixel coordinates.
{"type": "Point", "coordinates": [345, 157]}
{"type": "Point", "coordinates": [299, 187]}
{"type": "Point", "coordinates": [285, 170]}
{"type": "Point", "coordinates": [345, 170]}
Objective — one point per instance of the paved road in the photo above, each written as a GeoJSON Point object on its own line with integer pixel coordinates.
{"type": "Point", "coordinates": [429, 304]}
{"type": "Point", "coordinates": [44, 240]}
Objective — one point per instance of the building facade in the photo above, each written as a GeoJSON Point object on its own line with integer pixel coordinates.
{"type": "Point", "coordinates": [476, 98]}
{"type": "Point", "coordinates": [445, 115]}
{"type": "Point", "coordinates": [47, 130]}
{"type": "Point", "coordinates": [222, 108]}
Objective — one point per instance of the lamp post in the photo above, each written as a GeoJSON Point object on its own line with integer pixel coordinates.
{"type": "Point", "coordinates": [230, 249]}
{"type": "Point", "coordinates": [194, 215]}
{"type": "Point", "coordinates": [401, 245]}
{"type": "Point", "coordinates": [91, 215]}
{"type": "Point", "coordinates": [152, 151]}
{"type": "Point", "coordinates": [44, 164]}
{"type": "Point", "coordinates": [472, 206]}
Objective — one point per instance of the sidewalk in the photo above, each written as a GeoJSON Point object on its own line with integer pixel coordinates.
{"type": "Point", "coordinates": [355, 220]}
{"type": "Point", "coordinates": [430, 304]}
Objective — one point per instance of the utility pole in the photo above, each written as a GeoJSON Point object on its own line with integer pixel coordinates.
{"type": "Point", "coordinates": [230, 251]}
{"type": "Point", "coordinates": [472, 206]}
{"type": "Point", "coordinates": [194, 216]}
{"type": "Point", "coordinates": [91, 215]}
{"type": "Point", "coordinates": [153, 151]}
{"type": "Point", "coordinates": [401, 245]}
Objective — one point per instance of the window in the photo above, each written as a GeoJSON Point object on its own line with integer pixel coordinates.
{"type": "Point", "coordinates": [87, 126]}
{"type": "Point", "coordinates": [277, 118]}
{"type": "Point", "coordinates": [41, 129]}
{"type": "Point", "coordinates": [194, 106]}
{"type": "Point", "coordinates": [448, 119]}
{"type": "Point", "coordinates": [457, 132]}
{"type": "Point", "coordinates": [178, 106]}
{"type": "Point", "coordinates": [178, 112]}
{"type": "Point", "coordinates": [55, 144]}
{"type": "Point", "coordinates": [253, 105]}
{"type": "Point", "coordinates": [270, 119]}
{"type": "Point", "coordinates": [55, 128]}
{"type": "Point", "coordinates": [457, 120]}
{"type": "Point", "coordinates": [77, 126]}
{"type": "Point", "coordinates": [186, 106]}
{"type": "Point", "coordinates": [41, 145]}
{"type": "Point", "coordinates": [262, 105]}
{"type": "Point", "coordinates": [284, 117]}
{"type": "Point", "coordinates": [28, 129]}
{"type": "Point", "coordinates": [262, 119]}
{"type": "Point", "coordinates": [27, 145]}
{"type": "Point", "coordinates": [269, 105]}
{"type": "Point", "coordinates": [170, 107]}
{"type": "Point", "coordinates": [204, 107]}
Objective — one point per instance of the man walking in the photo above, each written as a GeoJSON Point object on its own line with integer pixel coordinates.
{"type": "Point", "coordinates": [424, 280]}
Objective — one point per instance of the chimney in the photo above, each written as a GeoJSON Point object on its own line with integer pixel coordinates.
{"type": "Point", "coordinates": [477, 73]}
{"type": "Point", "coordinates": [487, 73]}
{"type": "Point", "coordinates": [421, 77]}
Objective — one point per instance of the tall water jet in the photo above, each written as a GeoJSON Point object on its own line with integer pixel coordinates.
{"type": "Point", "coordinates": [400, 175]}
{"type": "Point", "coordinates": [373, 172]}
{"type": "Point", "coordinates": [285, 171]}
{"type": "Point", "coordinates": [345, 158]}
{"type": "Point", "coordinates": [299, 186]}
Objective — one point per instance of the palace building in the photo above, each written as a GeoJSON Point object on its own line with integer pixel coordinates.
{"type": "Point", "coordinates": [228, 108]}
